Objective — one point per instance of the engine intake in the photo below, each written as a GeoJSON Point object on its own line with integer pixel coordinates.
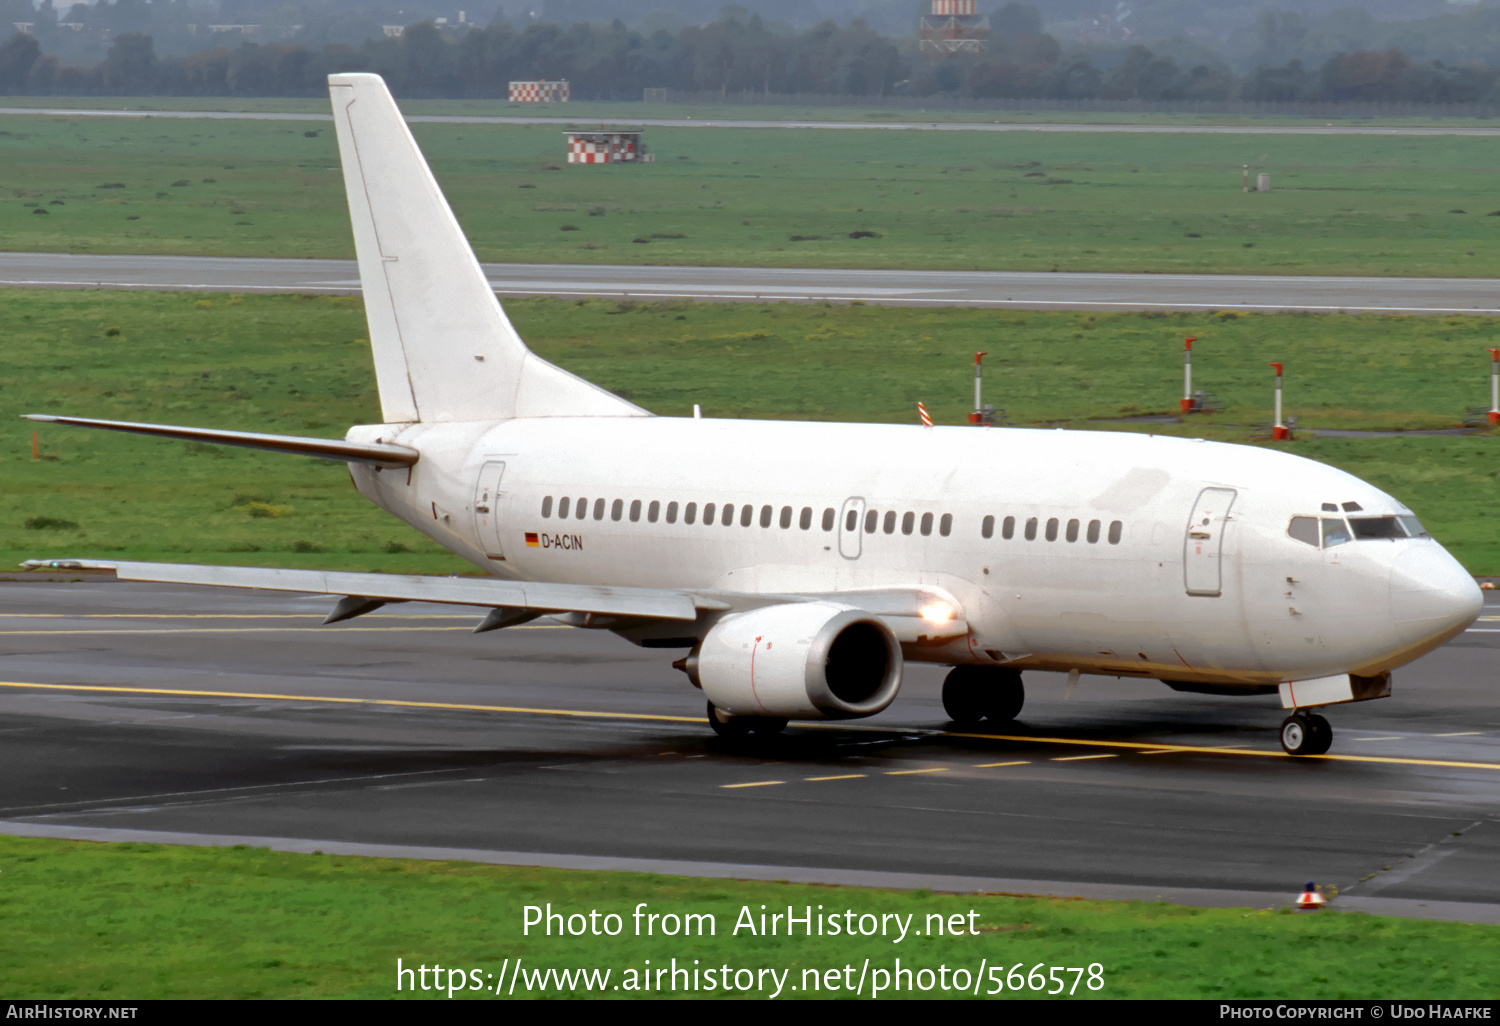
{"type": "Point", "coordinates": [802, 660]}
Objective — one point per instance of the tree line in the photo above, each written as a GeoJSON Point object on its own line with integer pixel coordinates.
{"type": "Point", "coordinates": [731, 55]}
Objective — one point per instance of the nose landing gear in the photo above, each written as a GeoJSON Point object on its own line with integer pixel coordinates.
{"type": "Point", "coordinates": [1305, 733]}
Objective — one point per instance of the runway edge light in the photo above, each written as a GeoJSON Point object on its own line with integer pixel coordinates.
{"type": "Point", "coordinates": [1310, 898]}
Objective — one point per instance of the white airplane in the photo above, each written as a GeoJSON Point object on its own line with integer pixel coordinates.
{"type": "Point", "coordinates": [802, 564]}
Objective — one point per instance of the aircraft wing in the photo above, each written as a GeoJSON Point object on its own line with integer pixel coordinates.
{"type": "Point", "coordinates": [647, 603]}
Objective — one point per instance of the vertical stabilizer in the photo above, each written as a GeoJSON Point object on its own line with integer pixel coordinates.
{"type": "Point", "coordinates": [444, 349]}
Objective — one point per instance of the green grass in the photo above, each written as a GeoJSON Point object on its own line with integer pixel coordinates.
{"type": "Point", "coordinates": [1045, 201]}
{"type": "Point", "coordinates": [301, 365]}
{"type": "Point", "coordinates": [142, 921]}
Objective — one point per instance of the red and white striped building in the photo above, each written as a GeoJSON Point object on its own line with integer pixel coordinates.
{"type": "Point", "coordinates": [606, 148]}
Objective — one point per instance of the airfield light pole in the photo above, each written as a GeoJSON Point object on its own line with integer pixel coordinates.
{"type": "Point", "coordinates": [1278, 429]}
{"type": "Point", "coordinates": [977, 417]}
{"type": "Point", "coordinates": [1494, 386]}
{"type": "Point", "coordinates": [1187, 374]}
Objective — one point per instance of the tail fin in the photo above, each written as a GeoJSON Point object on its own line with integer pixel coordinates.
{"type": "Point", "coordinates": [444, 349]}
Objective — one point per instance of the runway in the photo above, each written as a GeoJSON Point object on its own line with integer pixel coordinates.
{"type": "Point", "coordinates": [993, 289]}
{"type": "Point", "coordinates": [908, 125]}
{"type": "Point", "coordinates": [224, 715]}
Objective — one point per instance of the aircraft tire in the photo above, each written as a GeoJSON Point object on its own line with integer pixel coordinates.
{"type": "Point", "coordinates": [768, 726]}
{"type": "Point", "coordinates": [964, 697]}
{"type": "Point", "coordinates": [1300, 737]}
{"type": "Point", "coordinates": [1322, 734]}
{"type": "Point", "coordinates": [729, 727]}
{"type": "Point", "coordinates": [1005, 696]}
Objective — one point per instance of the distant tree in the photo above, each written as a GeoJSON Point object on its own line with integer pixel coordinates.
{"type": "Point", "coordinates": [1364, 75]}
{"type": "Point", "coordinates": [1016, 20]}
{"type": "Point", "coordinates": [129, 68]}
{"type": "Point", "coordinates": [17, 55]}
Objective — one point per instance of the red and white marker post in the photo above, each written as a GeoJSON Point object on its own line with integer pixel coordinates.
{"type": "Point", "coordinates": [977, 417]}
{"type": "Point", "coordinates": [1187, 374]}
{"type": "Point", "coordinates": [1278, 429]}
{"type": "Point", "coordinates": [1494, 386]}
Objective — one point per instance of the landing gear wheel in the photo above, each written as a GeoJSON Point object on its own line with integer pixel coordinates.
{"type": "Point", "coordinates": [964, 696]}
{"type": "Point", "coordinates": [1305, 734]}
{"type": "Point", "coordinates": [728, 727]}
{"type": "Point", "coordinates": [975, 693]}
{"type": "Point", "coordinates": [767, 726]}
{"type": "Point", "coordinates": [1007, 695]}
{"type": "Point", "coordinates": [1322, 734]}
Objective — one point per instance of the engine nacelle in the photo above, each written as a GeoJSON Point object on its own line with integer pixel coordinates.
{"type": "Point", "coordinates": [802, 660]}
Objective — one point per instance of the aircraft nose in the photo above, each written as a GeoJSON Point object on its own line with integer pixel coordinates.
{"type": "Point", "coordinates": [1431, 593]}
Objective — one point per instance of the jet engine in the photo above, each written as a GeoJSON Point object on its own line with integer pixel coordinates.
{"type": "Point", "coordinates": [801, 660]}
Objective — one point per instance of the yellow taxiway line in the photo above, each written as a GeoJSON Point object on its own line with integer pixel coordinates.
{"type": "Point", "coordinates": [1143, 747]}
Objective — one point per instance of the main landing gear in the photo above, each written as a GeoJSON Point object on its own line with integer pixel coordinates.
{"type": "Point", "coordinates": [975, 693]}
{"type": "Point", "coordinates": [1305, 733]}
{"type": "Point", "coordinates": [735, 727]}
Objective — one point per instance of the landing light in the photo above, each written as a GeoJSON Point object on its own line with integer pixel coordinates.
{"type": "Point", "coordinates": [937, 612]}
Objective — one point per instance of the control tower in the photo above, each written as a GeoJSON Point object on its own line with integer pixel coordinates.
{"type": "Point", "coordinates": [953, 27]}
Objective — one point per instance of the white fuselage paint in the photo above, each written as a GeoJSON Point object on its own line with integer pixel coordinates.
{"type": "Point", "coordinates": [1284, 610]}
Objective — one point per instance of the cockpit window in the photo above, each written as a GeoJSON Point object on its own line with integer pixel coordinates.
{"type": "Point", "coordinates": [1377, 527]}
{"type": "Point", "coordinates": [1330, 507]}
{"type": "Point", "coordinates": [1414, 527]}
{"type": "Point", "coordinates": [1353, 507]}
{"type": "Point", "coordinates": [1305, 530]}
{"type": "Point", "coordinates": [1335, 532]}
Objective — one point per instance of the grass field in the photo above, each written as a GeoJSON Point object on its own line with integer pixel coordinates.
{"type": "Point", "coordinates": [138, 921]}
{"type": "Point", "coordinates": [301, 365]}
{"type": "Point", "coordinates": [780, 197]}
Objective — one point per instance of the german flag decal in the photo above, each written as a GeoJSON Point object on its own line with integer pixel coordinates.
{"type": "Point", "coordinates": [531, 540]}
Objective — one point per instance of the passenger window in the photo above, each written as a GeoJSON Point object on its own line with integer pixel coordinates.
{"type": "Point", "coordinates": [945, 525]}
{"type": "Point", "coordinates": [987, 527]}
{"type": "Point", "coordinates": [708, 513]}
{"type": "Point", "coordinates": [635, 510]}
{"type": "Point", "coordinates": [547, 507]}
{"type": "Point", "coordinates": [805, 521]}
{"type": "Point", "coordinates": [653, 511]}
{"type": "Point", "coordinates": [599, 509]}
{"type": "Point", "coordinates": [616, 509]}
{"type": "Point", "coordinates": [727, 517]}
{"type": "Point", "coordinates": [851, 520]}
{"type": "Point", "coordinates": [1072, 535]}
{"type": "Point", "coordinates": [583, 507]}
{"type": "Point", "coordinates": [828, 516]}
{"type": "Point", "coordinates": [672, 513]}
{"type": "Point", "coordinates": [908, 522]}
{"type": "Point", "coordinates": [1008, 528]}
{"type": "Point", "coordinates": [1031, 528]}
{"type": "Point", "coordinates": [1304, 530]}
{"type": "Point", "coordinates": [1335, 532]}
{"type": "Point", "coordinates": [563, 505]}
{"type": "Point", "coordinates": [872, 519]}
{"type": "Point", "coordinates": [747, 514]}
{"type": "Point", "coordinates": [1115, 530]}
{"type": "Point", "coordinates": [926, 524]}
{"type": "Point", "coordinates": [890, 521]}
{"type": "Point", "coordinates": [1052, 529]}
{"type": "Point", "coordinates": [765, 515]}
{"type": "Point", "coordinates": [1376, 527]}
{"type": "Point", "coordinates": [786, 517]}
{"type": "Point", "coordinates": [1093, 535]}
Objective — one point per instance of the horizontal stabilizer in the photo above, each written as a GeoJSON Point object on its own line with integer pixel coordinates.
{"type": "Point", "coordinates": [647, 603]}
{"type": "Point", "coordinates": [378, 453]}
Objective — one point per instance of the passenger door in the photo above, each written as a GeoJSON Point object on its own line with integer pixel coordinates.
{"type": "Point", "coordinates": [487, 509]}
{"type": "Point", "coordinates": [1203, 546]}
{"type": "Point", "coordinates": [849, 527]}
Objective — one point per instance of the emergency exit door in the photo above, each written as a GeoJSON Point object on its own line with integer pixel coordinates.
{"type": "Point", "coordinates": [487, 511]}
{"type": "Point", "coordinates": [1203, 548]}
{"type": "Point", "coordinates": [849, 526]}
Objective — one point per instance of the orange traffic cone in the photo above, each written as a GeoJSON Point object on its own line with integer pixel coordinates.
{"type": "Point", "coordinates": [1310, 898]}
